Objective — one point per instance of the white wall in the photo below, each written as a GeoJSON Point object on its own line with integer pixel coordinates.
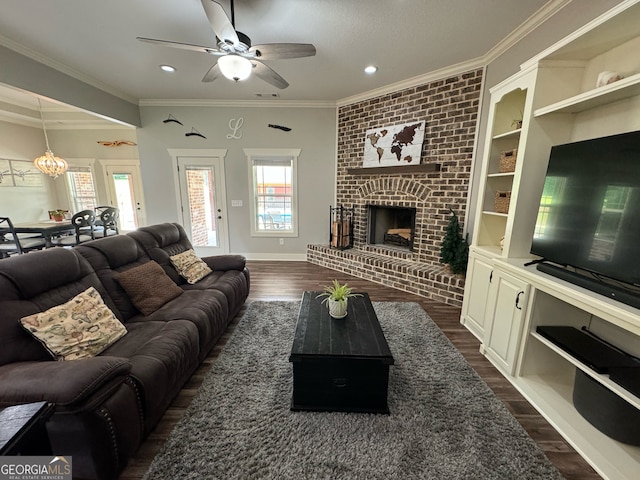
{"type": "Point", "coordinates": [313, 131]}
{"type": "Point", "coordinates": [23, 204]}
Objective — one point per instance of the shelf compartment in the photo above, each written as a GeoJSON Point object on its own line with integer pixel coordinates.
{"type": "Point", "coordinates": [625, 88]}
{"type": "Point", "coordinates": [552, 396]}
{"type": "Point", "coordinates": [600, 378]}
{"type": "Point", "coordinates": [510, 134]}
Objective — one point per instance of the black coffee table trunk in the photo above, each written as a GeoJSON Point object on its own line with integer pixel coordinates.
{"type": "Point", "coordinates": [339, 365]}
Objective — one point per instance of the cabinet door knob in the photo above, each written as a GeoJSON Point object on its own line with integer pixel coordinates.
{"type": "Point", "coordinates": [521, 292]}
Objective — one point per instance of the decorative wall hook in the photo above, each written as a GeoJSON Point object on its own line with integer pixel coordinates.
{"type": "Point", "coordinates": [194, 132]}
{"type": "Point", "coordinates": [116, 143]}
{"type": "Point", "coordinates": [171, 119]}
{"type": "Point", "coordinates": [280, 127]}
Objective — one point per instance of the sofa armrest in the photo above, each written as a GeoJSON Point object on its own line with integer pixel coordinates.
{"type": "Point", "coordinates": [62, 383]}
{"type": "Point", "coordinates": [226, 262]}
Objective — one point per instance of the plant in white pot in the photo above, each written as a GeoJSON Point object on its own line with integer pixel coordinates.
{"type": "Point", "coordinates": [336, 297]}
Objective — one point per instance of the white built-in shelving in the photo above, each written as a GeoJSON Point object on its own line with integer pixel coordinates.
{"type": "Point", "coordinates": [556, 97]}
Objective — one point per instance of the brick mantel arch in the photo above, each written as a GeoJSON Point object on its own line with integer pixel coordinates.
{"type": "Point", "coordinates": [396, 185]}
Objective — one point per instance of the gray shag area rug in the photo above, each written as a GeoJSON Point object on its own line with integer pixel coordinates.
{"type": "Point", "coordinates": [445, 422]}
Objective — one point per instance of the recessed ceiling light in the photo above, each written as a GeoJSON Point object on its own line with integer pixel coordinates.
{"type": "Point", "coordinates": [371, 69]}
{"type": "Point", "coordinates": [167, 68]}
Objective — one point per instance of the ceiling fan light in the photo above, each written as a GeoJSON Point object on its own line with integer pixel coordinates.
{"type": "Point", "coordinates": [235, 67]}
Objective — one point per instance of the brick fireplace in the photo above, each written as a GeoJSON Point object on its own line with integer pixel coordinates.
{"type": "Point", "coordinates": [391, 225]}
{"type": "Point", "coordinates": [449, 107]}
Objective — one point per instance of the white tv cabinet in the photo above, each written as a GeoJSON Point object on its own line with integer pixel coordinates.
{"type": "Point", "coordinates": [556, 97]}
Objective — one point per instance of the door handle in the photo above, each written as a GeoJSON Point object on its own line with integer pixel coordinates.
{"type": "Point", "coordinates": [518, 300]}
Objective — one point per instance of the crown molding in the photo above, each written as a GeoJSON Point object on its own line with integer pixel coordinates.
{"type": "Point", "coordinates": [151, 102]}
{"type": "Point", "coordinates": [533, 22]}
{"type": "Point", "coordinates": [414, 81]}
{"type": "Point", "coordinates": [529, 25]}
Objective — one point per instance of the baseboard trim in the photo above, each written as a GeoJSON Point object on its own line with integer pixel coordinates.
{"type": "Point", "coordinates": [281, 257]}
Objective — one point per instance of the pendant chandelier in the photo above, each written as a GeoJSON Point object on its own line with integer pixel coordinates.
{"type": "Point", "coordinates": [49, 163]}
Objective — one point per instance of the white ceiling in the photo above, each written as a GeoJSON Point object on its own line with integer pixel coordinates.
{"type": "Point", "coordinates": [96, 42]}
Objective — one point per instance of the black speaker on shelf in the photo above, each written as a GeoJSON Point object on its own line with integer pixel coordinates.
{"type": "Point", "coordinates": [602, 408]}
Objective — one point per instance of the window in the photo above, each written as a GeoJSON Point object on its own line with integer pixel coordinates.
{"type": "Point", "coordinates": [274, 210]}
{"type": "Point", "coordinates": [81, 188]}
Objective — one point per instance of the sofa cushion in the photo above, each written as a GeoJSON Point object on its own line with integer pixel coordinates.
{"type": "Point", "coordinates": [33, 283]}
{"type": "Point", "coordinates": [208, 311]}
{"type": "Point", "coordinates": [161, 242]}
{"type": "Point", "coordinates": [148, 286]}
{"type": "Point", "coordinates": [80, 328]}
{"type": "Point", "coordinates": [108, 256]}
{"type": "Point", "coordinates": [67, 384]}
{"type": "Point", "coordinates": [163, 356]}
{"type": "Point", "coordinates": [190, 267]}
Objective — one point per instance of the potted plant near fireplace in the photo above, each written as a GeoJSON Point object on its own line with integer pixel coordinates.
{"type": "Point", "coordinates": [336, 297]}
{"type": "Point", "coordinates": [454, 250]}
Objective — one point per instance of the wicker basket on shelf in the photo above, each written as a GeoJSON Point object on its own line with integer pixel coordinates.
{"type": "Point", "coordinates": [508, 161]}
{"type": "Point", "coordinates": [503, 198]}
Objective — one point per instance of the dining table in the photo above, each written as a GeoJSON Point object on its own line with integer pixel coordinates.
{"type": "Point", "coordinates": [46, 228]}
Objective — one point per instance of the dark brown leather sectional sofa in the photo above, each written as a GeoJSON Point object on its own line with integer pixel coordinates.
{"type": "Point", "coordinates": [106, 405]}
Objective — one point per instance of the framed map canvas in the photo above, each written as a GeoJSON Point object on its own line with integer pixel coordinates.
{"type": "Point", "coordinates": [393, 146]}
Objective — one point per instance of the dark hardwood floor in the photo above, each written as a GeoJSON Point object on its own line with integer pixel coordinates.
{"type": "Point", "coordinates": [287, 281]}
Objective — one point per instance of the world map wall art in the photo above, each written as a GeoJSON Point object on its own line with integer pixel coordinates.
{"type": "Point", "coordinates": [394, 146]}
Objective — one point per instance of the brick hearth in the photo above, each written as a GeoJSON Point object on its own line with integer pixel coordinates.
{"type": "Point", "coordinates": [449, 107]}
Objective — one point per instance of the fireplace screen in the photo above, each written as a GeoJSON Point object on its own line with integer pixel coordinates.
{"type": "Point", "coordinates": [391, 226]}
{"type": "Point", "coordinates": [341, 227]}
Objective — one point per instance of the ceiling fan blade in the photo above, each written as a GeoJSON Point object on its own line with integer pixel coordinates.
{"type": "Point", "coordinates": [212, 74]}
{"type": "Point", "coordinates": [183, 46]}
{"type": "Point", "coordinates": [270, 51]}
{"type": "Point", "coordinates": [268, 75]}
{"type": "Point", "coordinates": [220, 22]}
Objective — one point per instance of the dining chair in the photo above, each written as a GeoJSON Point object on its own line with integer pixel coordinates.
{"type": "Point", "coordinates": [13, 243]}
{"type": "Point", "coordinates": [83, 222]}
{"type": "Point", "coordinates": [106, 221]}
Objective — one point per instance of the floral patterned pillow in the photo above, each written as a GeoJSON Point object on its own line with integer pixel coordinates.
{"type": "Point", "coordinates": [191, 267]}
{"type": "Point", "coordinates": [83, 327]}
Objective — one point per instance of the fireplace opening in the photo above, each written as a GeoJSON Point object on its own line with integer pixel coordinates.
{"type": "Point", "coordinates": [393, 226]}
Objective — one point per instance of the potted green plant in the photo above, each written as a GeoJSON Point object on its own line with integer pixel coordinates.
{"type": "Point", "coordinates": [58, 215]}
{"type": "Point", "coordinates": [336, 297]}
{"type": "Point", "coordinates": [454, 250]}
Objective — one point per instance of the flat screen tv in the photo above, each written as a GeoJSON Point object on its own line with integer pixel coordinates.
{"type": "Point", "coordinates": [589, 214]}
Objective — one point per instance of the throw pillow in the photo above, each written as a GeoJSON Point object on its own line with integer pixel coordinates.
{"type": "Point", "coordinates": [148, 286]}
{"type": "Point", "coordinates": [83, 327]}
{"type": "Point", "coordinates": [191, 267]}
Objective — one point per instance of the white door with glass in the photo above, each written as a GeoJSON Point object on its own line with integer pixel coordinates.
{"type": "Point", "coordinates": [125, 192]}
{"type": "Point", "coordinates": [203, 203]}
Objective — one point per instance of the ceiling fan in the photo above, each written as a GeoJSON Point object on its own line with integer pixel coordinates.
{"type": "Point", "coordinates": [238, 58]}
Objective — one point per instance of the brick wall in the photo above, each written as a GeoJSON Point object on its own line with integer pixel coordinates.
{"type": "Point", "coordinates": [449, 108]}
